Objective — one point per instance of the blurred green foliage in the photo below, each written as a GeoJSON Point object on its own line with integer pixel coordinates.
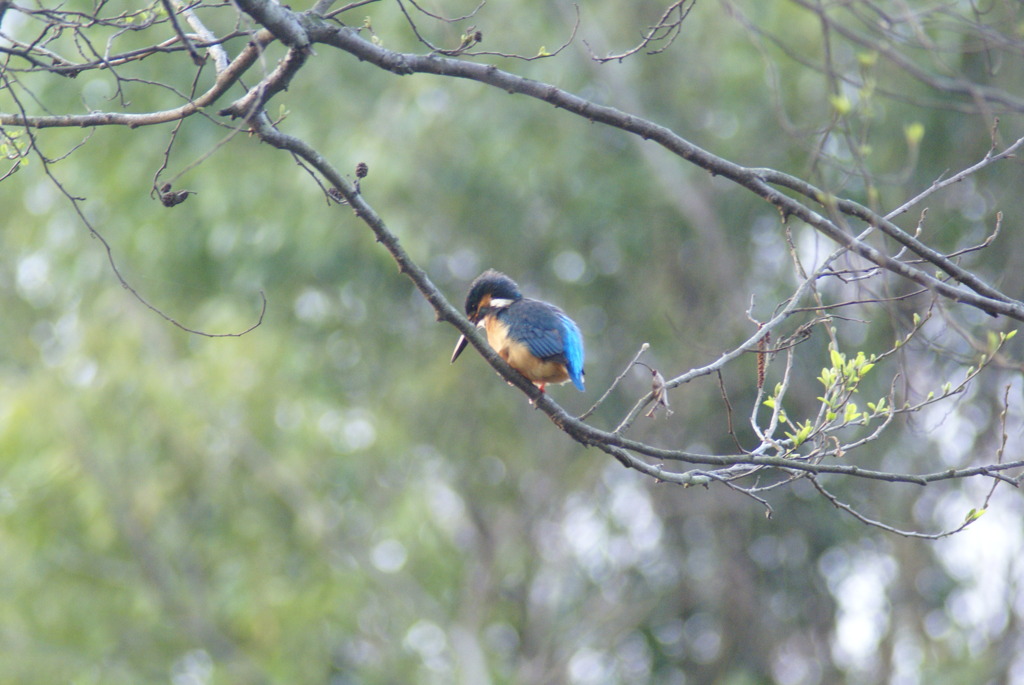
{"type": "Point", "coordinates": [327, 500]}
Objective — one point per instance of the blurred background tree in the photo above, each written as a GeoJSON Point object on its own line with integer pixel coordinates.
{"type": "Point", "coordinates": [326, 499]}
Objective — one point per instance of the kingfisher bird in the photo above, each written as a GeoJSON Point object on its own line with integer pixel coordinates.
{"type": "Point", "coordinates": [537, 339]}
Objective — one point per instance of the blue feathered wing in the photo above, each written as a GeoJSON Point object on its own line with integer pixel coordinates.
{"type": "Point", "coordinates": [549, 334]}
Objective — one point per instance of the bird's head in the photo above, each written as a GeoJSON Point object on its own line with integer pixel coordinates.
{"type": "Point", "coordinates": [489, 291]}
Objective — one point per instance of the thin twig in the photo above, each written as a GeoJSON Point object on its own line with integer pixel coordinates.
{"type": "Point", "coordinates": [618, 379]}
{"type": "Point", "coordinates": [197, 59]}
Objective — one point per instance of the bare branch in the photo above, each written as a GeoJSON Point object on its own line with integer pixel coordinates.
{"type": "Point", "coordinates": [225, 80]}
{"type": "Point", "coordinates": [615, 383]}
{"type": "Point", "coordinates": [664, 31]}
{"type": "Point", "coordinates": [843, 506]}
{"type": "Point", "coordinates": [193, 53]}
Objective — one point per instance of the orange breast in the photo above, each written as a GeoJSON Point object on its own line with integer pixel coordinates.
{"type": "Point", "coordinates": [519, 358]}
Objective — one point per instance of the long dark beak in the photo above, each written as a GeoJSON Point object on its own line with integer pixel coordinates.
{"type": "Point", "coordinates": [459, 347]}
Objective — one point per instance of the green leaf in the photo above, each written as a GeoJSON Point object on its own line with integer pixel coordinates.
{"type": "Point", "coordinates": [841, 104]}
{"type": "Point", "coordinates": [974, 515]}
{"type": "Point", "coordinates": [802, 434]}
{"type": "Point", "coordinates": [868, 58]}
{"type": "Point", "coordinates": [914, 133]}
{"type": "Point", "coordinates": [874, 197]}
